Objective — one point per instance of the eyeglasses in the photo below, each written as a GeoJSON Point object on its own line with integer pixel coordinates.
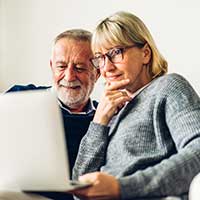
{"type": "Point", "coordinates": [115, 55]}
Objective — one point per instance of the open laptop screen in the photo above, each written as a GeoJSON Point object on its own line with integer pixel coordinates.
{"type": "Point", "coordinates": [32, 143]}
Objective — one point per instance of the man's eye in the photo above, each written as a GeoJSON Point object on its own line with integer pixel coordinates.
{"type": "Point", "coordinates": [60, 67]}
{"type": "Point", "coordinates": [80, 68]}
{"type": "Point", "coordinates": [98, 56]}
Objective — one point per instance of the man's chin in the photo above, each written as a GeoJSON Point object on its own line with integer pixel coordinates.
{"type": "Point", "coordinates": [73, 104]}
{"type": "Point", "coordinates": [72, 100]}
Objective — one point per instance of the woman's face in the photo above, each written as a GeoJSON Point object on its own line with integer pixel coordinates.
{"type": "Point", "coordinates": [132, 65]}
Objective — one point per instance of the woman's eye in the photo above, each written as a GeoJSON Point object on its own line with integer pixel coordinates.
{"type": "Point", "coordinates": [115, 52]}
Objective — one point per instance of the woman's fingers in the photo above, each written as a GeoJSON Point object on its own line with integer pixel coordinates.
{"type": "Point", "coordinates": [113, 99]}
{"type": "Point", "coordinates": [116, 85]}
{"type": "Point", "coordinates": [103, 187]}
{"type": "Point", "coordinates": [110, 103]}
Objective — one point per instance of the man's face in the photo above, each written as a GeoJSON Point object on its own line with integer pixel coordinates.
{"type": "Point", "coordinates": [73, 75]}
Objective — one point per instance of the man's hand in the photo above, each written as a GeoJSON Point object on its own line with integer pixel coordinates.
{"type": "Point", "coordinates": [104, 187]}
{"type": "Point", "coordinates": [112, 100]}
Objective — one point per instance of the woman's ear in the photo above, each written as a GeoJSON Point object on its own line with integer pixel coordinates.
{"type": "Point", "coordinates": [146, 53]}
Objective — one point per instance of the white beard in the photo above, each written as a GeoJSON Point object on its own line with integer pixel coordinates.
{"type": "Point", "coordinates": [73, 98]}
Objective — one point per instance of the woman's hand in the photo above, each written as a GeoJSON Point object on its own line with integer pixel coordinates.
{"type": "Point", "coordinates": [103, 187]}
{"type": "Point", "coordinates": [112, 100]}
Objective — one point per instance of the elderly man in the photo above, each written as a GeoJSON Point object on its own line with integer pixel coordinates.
{"type": "Point", "coordinates": [73, 80]}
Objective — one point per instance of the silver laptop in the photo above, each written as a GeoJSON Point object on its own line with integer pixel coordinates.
{"type": "Point", "coordinates": [33, 152]}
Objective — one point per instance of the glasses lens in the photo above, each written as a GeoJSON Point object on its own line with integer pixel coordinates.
{"type": "Point", "coordinates": [98, 61]}
{"type": "Point", "coordinates": [115, 55]}
{"type": "Point", "coordinates": [95, 62]}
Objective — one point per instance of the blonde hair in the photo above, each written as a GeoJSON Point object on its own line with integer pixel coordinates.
{"type": "Point", "coordinates": [123, 28]}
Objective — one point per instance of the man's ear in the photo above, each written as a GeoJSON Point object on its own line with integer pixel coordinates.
{"type": "Point", "coordinates": [50, 64]}
{"type": "Point", "coordinates": [97, 74]}
{"type": "Point", "coordinates": [146, 53]}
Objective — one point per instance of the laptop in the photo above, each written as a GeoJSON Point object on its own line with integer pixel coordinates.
{"type": "Point", "coordinates": [33, 152]}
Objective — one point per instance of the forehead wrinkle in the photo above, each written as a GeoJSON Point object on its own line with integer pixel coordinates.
{"type": "Point", "coordinates": [59, 58]}
{"type": "Point", "coordinates": [59, 61]}
{"type": "Point", "coordinates": [75, 54]}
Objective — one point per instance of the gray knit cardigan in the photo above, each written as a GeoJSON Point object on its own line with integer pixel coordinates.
{"type": "Point", "coordinates": [152, 146]}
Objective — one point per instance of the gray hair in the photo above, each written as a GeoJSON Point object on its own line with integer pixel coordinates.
{"type": "Point", "coordinates": [76, 34]}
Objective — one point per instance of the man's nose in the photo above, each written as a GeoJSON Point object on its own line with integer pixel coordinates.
{"type": "Point", "coordinates": [70, 74]}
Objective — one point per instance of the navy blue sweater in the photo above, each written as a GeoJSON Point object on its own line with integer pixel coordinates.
{"type": "Point", "coordinates": [75, 126]}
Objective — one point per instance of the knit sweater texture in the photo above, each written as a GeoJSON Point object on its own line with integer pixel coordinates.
{"type": "Point", "coordinates": [152, 145]}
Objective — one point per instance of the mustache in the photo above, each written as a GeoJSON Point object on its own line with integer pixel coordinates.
{"type": "Point", "coordinates": [75, 83]}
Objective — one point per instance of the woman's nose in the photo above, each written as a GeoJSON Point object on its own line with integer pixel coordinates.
{"type": "Point", "coordinates": [108, 66]}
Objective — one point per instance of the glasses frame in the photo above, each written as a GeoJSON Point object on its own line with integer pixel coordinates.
{"type": "Point", "coordinates": [122, 49]}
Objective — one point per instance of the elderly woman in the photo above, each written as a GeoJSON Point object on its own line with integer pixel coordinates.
{"type": "Point", "coordinates": [144, 141]}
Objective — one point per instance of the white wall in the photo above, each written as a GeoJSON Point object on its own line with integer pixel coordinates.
{"type": "Point", "coordinates": [2, 40]}
{"type": "Point", "coordinates": [28, 27]}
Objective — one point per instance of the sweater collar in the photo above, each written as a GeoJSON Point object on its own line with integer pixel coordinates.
{"type": "Point", "coordinates": [89, 108]}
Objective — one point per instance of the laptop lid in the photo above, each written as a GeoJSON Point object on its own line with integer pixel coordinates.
{"type": "Point", "coordinates": [33, 148]}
